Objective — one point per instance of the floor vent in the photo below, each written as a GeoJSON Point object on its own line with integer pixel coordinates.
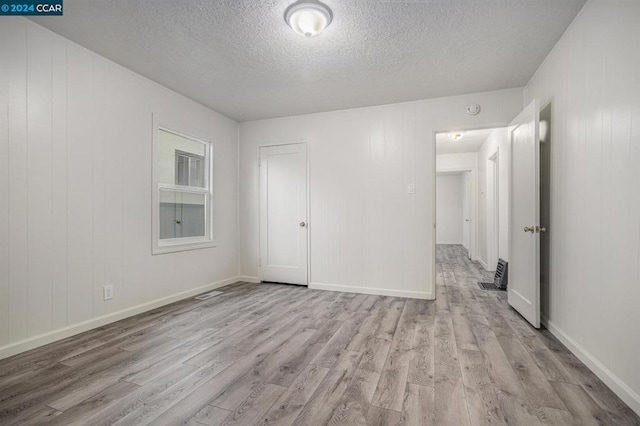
{"type": "Point", "coordinates": [500, 279]}
{"type": "Point", "coordinates": [489, 286]}
{"type": "Point", "coordinates": [207, 295]}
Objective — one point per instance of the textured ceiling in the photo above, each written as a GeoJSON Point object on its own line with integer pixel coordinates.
{"type": "Point", "coordinates": [241, 59]}
{"type": "Point", "coordinates": [470, 142]}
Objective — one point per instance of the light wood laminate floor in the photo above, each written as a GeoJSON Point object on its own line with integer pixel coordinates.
{"type": "Point", "coordinates": [278, 354]}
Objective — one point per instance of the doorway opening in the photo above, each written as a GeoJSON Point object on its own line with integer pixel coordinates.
{"type": "Point", "coordinates": [472, 178]}
{"type": "Point", "coordinates": [545, 210]}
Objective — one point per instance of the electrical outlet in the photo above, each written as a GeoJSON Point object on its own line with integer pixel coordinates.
{"type": "Point", "coordinates": [108, 292]}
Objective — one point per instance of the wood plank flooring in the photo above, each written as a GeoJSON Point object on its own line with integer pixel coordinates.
{"type": "Point", "coordinates": [273, 354]}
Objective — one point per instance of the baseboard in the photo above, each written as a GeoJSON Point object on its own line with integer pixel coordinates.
{"type": "Point", "coordinates": [71, 330]}
{"type": "Point", "coordinates": [448, 243]}
{"type": "Point", "coordinates": [482, 262]}
{"type": "Point", "coordinates": [248, 279]}
{"type": "Point", "coordinates": [619, 387]}
{"type": "Point", "coordinates": [372, 290]}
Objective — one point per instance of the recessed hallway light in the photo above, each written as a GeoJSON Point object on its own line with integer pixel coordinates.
{"type": "Point", "coordinates": [456, 136]}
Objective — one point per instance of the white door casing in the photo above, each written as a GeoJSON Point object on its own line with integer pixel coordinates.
{"type": "Point", "coordinates": [524, 206]}
{"type": "Point", "coordinates": [283, 214]}
{"type": "Point", "coordinates": [493, 210]}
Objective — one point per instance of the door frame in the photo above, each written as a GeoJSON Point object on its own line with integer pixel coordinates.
{"type": "Point", "coordinates": [493, 210]}
{"type": "Point", "coordinates": [549, 103]}
{"type": "Point", "coordinates": [308, 218]}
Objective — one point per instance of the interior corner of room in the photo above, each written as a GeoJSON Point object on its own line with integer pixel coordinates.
{"type": "Point", "coordinates": [325, 182]}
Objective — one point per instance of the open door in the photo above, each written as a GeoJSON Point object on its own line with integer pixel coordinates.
{"type": "Point", "coordinates": [524, 223]}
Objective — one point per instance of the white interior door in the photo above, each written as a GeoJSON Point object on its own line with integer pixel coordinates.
{"type": "Point", "coordinates": [466, 212]}
{"type": "Point", "coordinates": [283, 214]}
{"type": "Point", "coordinates": [524, 236]}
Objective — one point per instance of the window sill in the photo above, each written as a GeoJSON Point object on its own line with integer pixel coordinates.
{"type": "Point", "coordinates": [182, 246]}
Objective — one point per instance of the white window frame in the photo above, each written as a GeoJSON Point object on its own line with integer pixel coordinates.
{"type": "Point", "coordinates": [187, 243]}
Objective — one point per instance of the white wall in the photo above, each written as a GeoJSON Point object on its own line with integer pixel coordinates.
{"type": "Point", "coordinates": [592, 79]}
{"type": "Point", "coordinates": [449, 208]}
{"type": "Point", "coordinates": [75, 190]}
{"type": "Point", "coordinates": [366, 232]}
{"type": "Point", "coordinates": [498, 141]}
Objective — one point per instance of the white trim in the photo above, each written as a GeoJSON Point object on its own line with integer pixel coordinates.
{"type": "Point", "coordinates": [248, 279]}
{"type": "Point", "coordinates": [617, 385]}
{"type": "Point", "coordinates": [455, 243]}
{"type": "Point", "coordinates": [493, 207]}
{"type": "Point", "coordinates": [484, 265]}
{"type": "Point", "coordinates": [71, 330]}
{"type": "Point", "coordinates": [372, 290]}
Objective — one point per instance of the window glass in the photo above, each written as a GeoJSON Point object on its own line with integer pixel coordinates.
{"type": "Point", "coordinates": [181, 160]}
{"type": "Point", "coordinates": [182, 214]}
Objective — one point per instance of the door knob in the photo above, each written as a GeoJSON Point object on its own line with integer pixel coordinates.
{"type": "Point", "coordinates": [302, 224]}
{"type": "Point", "coordinates": [541, 229]}
{"type": "Point", "coordinates": [529, 229]}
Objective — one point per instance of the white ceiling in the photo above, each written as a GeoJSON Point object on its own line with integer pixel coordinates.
{"type": "Point", "coordinates": [470, 142]}
{"type": "Point", "coordinates": [241, 59]}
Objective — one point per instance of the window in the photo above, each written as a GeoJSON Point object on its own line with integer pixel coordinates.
{"type": "Point", "coordinates": [182, 196]}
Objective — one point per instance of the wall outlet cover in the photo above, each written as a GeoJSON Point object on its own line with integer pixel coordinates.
{"type": "Point", "coordinates": [108, 292]}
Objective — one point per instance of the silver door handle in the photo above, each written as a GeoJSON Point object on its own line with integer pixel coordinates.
{"type": "Point", "coordinates": [529, 229]}
{"type": "Point", "coordinates": [302, 224]}
{"type": "Point", "coordinates": [541, 229]}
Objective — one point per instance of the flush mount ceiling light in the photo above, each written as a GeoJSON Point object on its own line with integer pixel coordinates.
{"type": "Point", "coordinates": [308, 18]}
{"type": "Point", "coordinates": [456, 136]}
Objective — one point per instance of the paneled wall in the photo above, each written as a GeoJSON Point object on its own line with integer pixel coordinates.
{"type": "Point", "coordinates": [75, 189]}
{"type": "Point", "coordinates": [592, 80]}
{"type": "Point", "coordinates": [367, 233]}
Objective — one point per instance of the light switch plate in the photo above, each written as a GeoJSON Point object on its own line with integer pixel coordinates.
{"type": "Point", "coordinates": [108, 292]}
{"type": "Point", "coordinates": [411, 188]}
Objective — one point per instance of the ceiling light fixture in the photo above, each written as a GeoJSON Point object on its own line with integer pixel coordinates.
{"type": "Point", "coordinates": [456, 136]}
{"type": "Point", "coordinates": [308, 18]}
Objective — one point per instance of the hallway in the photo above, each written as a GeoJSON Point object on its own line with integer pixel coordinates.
{"type": "Point", "coordinates": [508, 371]}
